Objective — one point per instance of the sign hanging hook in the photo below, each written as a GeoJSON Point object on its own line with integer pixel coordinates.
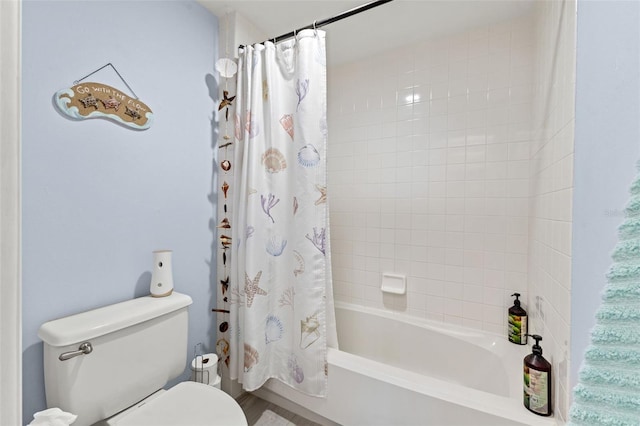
{"type": "Point", "coordinates": [116, 71]}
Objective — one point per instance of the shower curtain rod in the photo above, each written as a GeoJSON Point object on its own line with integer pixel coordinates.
{"type": "Point", "coordinates": [322, 23]}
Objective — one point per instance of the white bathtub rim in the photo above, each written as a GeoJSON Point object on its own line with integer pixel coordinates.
{"type": "Point", "coordinates": [502, 406]}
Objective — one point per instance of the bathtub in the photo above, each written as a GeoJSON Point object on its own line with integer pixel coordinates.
{"type": "Point", "coordinates": [394, 369]}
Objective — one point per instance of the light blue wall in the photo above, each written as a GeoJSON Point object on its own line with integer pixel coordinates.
{"type": "Point", "coordinates": [98, 198]}
{"type": "Point", "coordinates": [607, 147]}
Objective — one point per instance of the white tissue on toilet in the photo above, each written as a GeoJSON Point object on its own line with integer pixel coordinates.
{"type": "Point", "coordinates": [52, 417]}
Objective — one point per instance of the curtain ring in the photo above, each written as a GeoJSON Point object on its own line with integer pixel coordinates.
{"type": "Point", "coordinates": [315, 30]}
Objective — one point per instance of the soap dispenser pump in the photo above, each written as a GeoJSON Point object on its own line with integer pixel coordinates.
{"type": "Point", "coordinates": [517, 324]}
{"type": "Point", "coordinates": [537, 381]}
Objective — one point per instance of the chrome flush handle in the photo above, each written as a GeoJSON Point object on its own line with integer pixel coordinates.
{"type": "Point", "coordinates": [84, 349]}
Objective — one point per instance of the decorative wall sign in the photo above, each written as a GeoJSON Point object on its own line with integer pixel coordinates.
{"type": "Point", "coordinates": [97, 100]}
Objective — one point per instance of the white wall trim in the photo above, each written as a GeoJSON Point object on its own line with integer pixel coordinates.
{"type": "Point", "coordinates": [10, 213]}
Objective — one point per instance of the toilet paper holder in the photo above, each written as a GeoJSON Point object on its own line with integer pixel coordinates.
{"type": "Point", "coordinates": [200, 374]}
{"type": "Point", "coordinates": [204, 367]}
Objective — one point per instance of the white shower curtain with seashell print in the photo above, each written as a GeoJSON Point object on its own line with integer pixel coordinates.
{"type": "Point", "coordinates": [281, 304]}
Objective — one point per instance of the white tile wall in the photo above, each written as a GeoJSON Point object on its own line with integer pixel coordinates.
{"type": "Point", "coordinates": [429, 174]}
{"type": "Point", "coordinates": [552, 189]}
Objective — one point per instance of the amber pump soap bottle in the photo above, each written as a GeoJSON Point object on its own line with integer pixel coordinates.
{"type": "Point", "coordinates": [517, 324]}
{"type": "Point", "coordinates": [537, 381]}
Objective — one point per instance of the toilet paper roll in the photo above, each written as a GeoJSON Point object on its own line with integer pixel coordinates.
{"type": "Point", "coordinates": [204, 369]}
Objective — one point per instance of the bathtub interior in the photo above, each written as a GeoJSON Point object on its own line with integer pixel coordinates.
{"type": "Point", "coordinates": [465, 359]}
{"type": "Point", "coordinates": [473, 359]}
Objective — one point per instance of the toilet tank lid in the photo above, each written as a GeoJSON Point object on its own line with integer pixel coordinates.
{"type": "Point", "coordinates": [98, 322]}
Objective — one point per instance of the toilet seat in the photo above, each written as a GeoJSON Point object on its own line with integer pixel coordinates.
{"type": "Point", "coordinates": [187, 404]}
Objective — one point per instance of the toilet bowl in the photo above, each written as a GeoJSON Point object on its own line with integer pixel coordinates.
{"type": "Point", "coordinates": [109, 366]}
{"type": "Point", "coordinates": [187, 403]}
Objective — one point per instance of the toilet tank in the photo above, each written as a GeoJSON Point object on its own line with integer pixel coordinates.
{"type": "Point", "coordinates": [138, 346]}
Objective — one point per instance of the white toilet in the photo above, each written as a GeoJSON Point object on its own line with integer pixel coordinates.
{"type": "Point", "coordinates": [109, 365]}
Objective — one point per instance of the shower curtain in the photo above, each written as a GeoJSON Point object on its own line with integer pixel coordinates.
{"type": "Point", "coordinates": [281, 311]}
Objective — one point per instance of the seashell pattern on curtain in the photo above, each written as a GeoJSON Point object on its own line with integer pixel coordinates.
{"type": "Point", "coordinates": [280, 298]}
